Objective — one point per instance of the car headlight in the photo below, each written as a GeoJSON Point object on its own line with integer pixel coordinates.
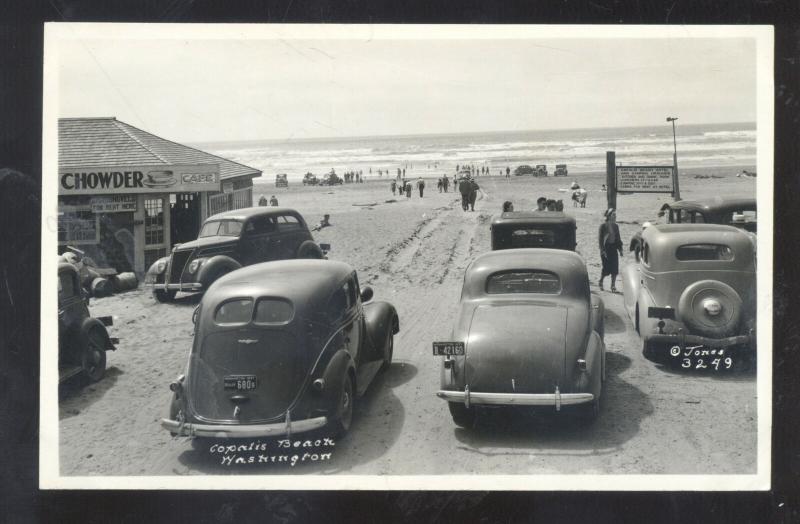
{"type": "Point", "coordinates": [161, 265]}
{"type": "Point", "coordinates": [195, 265]}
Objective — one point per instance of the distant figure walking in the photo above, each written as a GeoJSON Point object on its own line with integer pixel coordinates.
{"type": "Point", "coordinates": [420, 186]}
{"type": "Point", "coordinates": [439, 184]}
{"type": "Point", "coordinates": [508, 172]}
{"type": "Point", "coordinates": [262, 201]}
{"type": "Point", "coordinates": [393, 186]}
{"type": "Point", "coordinates": [579, 197]}
{"type": "Point", "coordinates": [408, 189]}
{"type": "Point", "coordinates": [610, 243]}
{"type": "Point", "coordinates": [445, 183]}
{"type": "Point", "coordinates": [465, 187]}
{"type": "Point", "coordinates": [273, 201]}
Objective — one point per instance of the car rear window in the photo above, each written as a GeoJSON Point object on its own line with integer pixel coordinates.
{"type": "Point", "coordinates": [704, 252]}
{"type": "Point", "coordinates": [273, 311]}
{"type": "Point", "coordinates": [523, 282]}
{"type": "Point", "coordinates": [238, 311]}
{"type": "Point", "coordinates": [533, 238]}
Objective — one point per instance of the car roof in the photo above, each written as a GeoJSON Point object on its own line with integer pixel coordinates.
{"type": "Point", "coordinates": [537, 216]}
{"type": "Point", "coordinates": [300, 280]}
{"type": "Point", "coordinates": [247, 212]}
{"type": "Point", "coordinates": [567, 265]}
{"type": "Point", "coordinates": [715, 205]}
{"type": "Point", "coordinates": [665, 238]}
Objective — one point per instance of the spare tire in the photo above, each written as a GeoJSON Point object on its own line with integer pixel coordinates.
{"type": "Point", "coordinates": [309, 249]}
{"type": "Point", "coordinates": [710, 308]}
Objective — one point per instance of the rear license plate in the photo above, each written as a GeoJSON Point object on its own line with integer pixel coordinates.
{"type": "Point", "coordinates": [241, 382]}
{"type": "Point", "coordinates": [448, 348]}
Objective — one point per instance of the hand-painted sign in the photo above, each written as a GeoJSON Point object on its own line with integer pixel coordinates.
{"type": "Point", "coordinates": [645, 179]}
{"type": "Point", "coordinates": [113, 203]}
{"type": "Point", "coordinates": [139, 179]}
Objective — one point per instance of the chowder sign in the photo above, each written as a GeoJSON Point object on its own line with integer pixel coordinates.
{"type": "Point", "coordinates": [139, 179]}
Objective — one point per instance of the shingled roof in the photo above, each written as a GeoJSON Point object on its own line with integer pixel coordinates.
{"type": "Point", "coordinates": [96, 142]}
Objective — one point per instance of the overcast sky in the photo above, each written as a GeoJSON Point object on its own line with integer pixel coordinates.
{"type": "Point", "coordinates": [209, 90]}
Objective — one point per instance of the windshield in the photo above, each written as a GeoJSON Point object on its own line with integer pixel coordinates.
{"type": "Point", "coordinates": [522, 281]}
{"type": "Point", "coordinates": [226, 228]}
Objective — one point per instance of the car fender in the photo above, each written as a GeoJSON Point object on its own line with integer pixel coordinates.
{"type": "Point", "coordinates": [337, 370]}
{"type": "Point", "coordinates": [380, 317]}
{"type": "Point", "coordinates": [91, 323]}
{"type": "Point", "coordinates": [591, 380]}
{"type": "Point", "coordinates": [214, 264]}
{"type": "Point", "coordinates": [150, 276]}
{"type": "Point", "coordinates": [598, 315]}
{"type": "Point", "coordinates": [631, 282]}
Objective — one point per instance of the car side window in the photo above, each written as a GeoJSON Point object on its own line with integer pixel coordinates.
{"type": "Point", "coordinates": [260, 226]}
{"type": "Point", "coordinates": [287, 222]}
{"type": "Point", "coordinates": [337, 305]}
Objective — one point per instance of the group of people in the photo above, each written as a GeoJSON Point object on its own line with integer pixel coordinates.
{"type": "Point", "coordinates": [475, 171]}
{"type": "Point", "coordinates": [273, 201]}
{"type": "Point", "coordinates": [469, 189]}
{"type": "Point", "coordinates": [354, 176]}
{"type": "Point", "coordinates": [404, 186]}
{"type": "Point", "coordinates": [443, 184]}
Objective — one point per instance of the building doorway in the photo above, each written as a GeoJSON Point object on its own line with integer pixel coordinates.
{"type": "Point", "coordinates": [156, 234]}
{"type": "Point", "coordinates": [184, 217]}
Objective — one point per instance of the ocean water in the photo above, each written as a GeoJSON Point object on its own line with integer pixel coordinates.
{"type": "Point", "coordinates": [583, 150]}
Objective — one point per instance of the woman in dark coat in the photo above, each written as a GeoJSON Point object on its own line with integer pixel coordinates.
{"type": "Point", "coordinates": [610, 244]}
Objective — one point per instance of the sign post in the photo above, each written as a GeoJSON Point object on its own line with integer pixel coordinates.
{"type": "Point", "coordinates": [611, 179]}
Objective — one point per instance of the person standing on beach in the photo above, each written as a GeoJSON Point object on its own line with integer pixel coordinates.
{"type": "Point", "coordinates": [610, 243]}
{"type": "Point", "coordinates": [465, 187]}
{"type": "Point", "coordinates": [473, 194]}
{"type": "Point", "coordinates": [508, 172]}
{"type": "Point", "coordinates": [273, 201]}
{"type": "Point", "coordinates": [393, 186]}
{"type": "Point", "coordinates": [439, 184]}
{"type": "Point", "coordinates": [445, 182]}
{"type": "Point", "coordinates": [408, 189]}
{"type": "Point", "coordinates": [262, 201]}
{"type": "Point", "coordinates": [420, 186]}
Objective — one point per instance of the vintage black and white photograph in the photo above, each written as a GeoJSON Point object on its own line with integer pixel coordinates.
{"type": "Point", "coordinates": [406, 257]}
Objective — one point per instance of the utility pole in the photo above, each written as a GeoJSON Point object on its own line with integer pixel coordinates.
{"type": "Point", "coordinates": [676, 193]}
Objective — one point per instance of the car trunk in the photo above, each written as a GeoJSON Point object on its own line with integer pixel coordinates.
{"type": "Point", "coordinates": [260, 371]}
{"type": "Point", "coordinates": [525, 352]}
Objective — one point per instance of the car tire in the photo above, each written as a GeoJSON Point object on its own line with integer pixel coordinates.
{"type": "Point", "coordinates": [93, 359]}
{"type": "Point", "coordinates": [164, 295]}
{"type": "Point", "coordinates": [589, 413]}
{"type": "Point", "coordinates": [309, 249]}
{"type": "Point", "coordinates": [388, 351]}
{"type": "Point", "coordinates": [462, 415]}
{"type": "Point", "coordinates": [344, 409]}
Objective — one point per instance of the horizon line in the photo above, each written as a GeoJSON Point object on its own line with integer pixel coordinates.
{"type": "Point", "coordinates": [406, 135]}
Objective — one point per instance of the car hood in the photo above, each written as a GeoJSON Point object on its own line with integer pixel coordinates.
{"type": "Point", "coordinates": [207, 242]}
{"type": "Point", "coordinates": [516, 348]}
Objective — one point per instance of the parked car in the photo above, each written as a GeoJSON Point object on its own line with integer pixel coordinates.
{"type": "Point", "coordinates": [228, 241]}
{"type": "Point", "coordinates": [737, 212]}
{"type": "Point", "coordinates": [549, 229]}
{"type": "Point", "coordinates": [82, 339]}
{"type": "Point", "coordinates": [331, 179]}
{"type": "Point", "coordinates": [282, 180]}
{"type": "Point", "coordinates": [541, 170]}
{"type": "Point", "coordinates": [310, 180]}
{"type": "Point", "coordinates": [528, 332]}
{"type": "Point", "coordinates": [279, 348]}
{"type": "Point", "coordinates": [561, 170]}
{"type": "Point", "coordinates": [523, 170]}
{"type": "Point", "coordinates": [692, 295]}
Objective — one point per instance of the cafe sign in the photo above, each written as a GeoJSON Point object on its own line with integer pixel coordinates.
{"type": "Point", "coordinates": [645, 179]}
{"type": "Point", "coordinates": [175, 178]}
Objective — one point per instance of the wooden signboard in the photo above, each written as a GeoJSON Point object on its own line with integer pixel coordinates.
{"type": "Point", "coordinates": [644, 179]}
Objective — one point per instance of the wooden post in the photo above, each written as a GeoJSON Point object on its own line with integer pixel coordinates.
{"type": "Point", "coordinates": [611, 179]}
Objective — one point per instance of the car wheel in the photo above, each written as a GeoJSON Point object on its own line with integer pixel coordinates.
{"type": "Point", "coordinates": [164, 295]}
{"type": "Point", "coordinates": [344, 409]}
{"type": "Point", "coordinates": [388, 352]}
{"type": "Point", "coordinates": [462, 415]}
{"type": "Point", "coordinates": [590, 412]}
{"type": "Point", "coordinates": [93, 359]}
{"type": "Point", "coordinates": [309, 249]}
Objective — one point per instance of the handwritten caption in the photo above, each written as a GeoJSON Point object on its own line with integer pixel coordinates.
{"type": "Point", "coordinates": [282, 451]}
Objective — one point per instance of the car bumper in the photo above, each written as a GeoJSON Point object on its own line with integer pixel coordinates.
{"type": "Point", "coordinates": [668, 348]}
{"type": "Point", "coordinates": [184, 286]}
{"type": "Point", "coordinates": [556, 399]}
{"type": "Point", "coordinates": [188, 429]}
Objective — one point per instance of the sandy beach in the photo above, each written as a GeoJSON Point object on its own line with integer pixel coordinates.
{"type": "Point", "coordinates": [413, 253]}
